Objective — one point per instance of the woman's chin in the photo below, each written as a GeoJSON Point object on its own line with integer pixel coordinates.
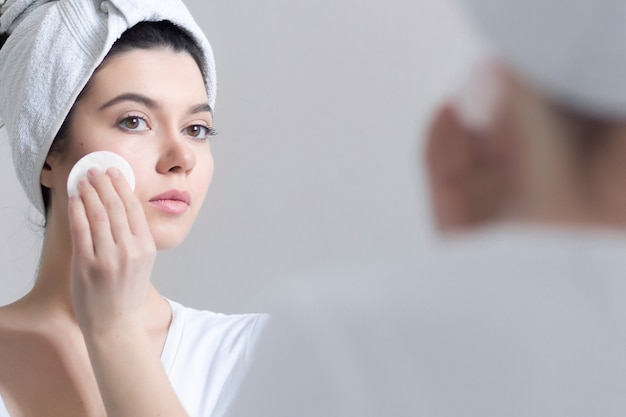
{"type": "Point", "coordinates": [166, 246]}
{"type": "Point", "coordinates": [168, 239]}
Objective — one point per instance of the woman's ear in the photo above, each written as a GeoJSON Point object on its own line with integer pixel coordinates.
{"type": "Point", "coordinates": [464, 172]}
{"type": "Point", "coordinates": [47, 172]}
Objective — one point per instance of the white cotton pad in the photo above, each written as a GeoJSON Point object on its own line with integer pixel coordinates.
{"type": "Point", "coordinates": [102, 160]}
{"type": "Point", "coordinates": [478, 100]}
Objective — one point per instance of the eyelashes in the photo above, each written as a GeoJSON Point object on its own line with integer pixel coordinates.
{"type": "Point", "coordinates": [136, 123]}
{"type": "Point", "coordinates": [199, 131]}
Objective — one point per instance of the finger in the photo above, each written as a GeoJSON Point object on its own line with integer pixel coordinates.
{"type": "Point", "coordinates": [97, 216]}
{"type": "Point", "coordinates": [451, 155]}
{"type": "Point", "coordinates": [82, 244]}
{"type": "Point", "coordinates": [451, 148]}
{"type": "Point", "coordinates": [135, 214]}
{"type": "Point", "coordinates": [114, 207]}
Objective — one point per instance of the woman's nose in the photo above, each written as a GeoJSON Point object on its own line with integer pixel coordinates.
{"type": "Point", "coordinates": [176, 155]}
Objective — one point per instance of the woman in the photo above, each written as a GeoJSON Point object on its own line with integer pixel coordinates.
{"type": "Point", "coordinates": [93, 337]}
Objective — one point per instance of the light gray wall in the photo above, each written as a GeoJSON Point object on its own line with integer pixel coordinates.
{"type": "Point", "coordinates": [321, 107]}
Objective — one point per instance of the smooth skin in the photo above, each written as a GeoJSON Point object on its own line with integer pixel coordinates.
{"type": "Point", "coordinates": [87, 339]}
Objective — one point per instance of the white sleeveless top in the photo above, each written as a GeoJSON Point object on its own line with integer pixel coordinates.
{"type": "Point", "coordinates": [205, 355]}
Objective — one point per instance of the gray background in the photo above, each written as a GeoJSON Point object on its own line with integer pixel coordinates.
{"type": "Point", "coordinates": [321, 109]}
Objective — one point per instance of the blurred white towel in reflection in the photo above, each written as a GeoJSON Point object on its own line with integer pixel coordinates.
{"type": "Point", "coordinates": [507, 322]}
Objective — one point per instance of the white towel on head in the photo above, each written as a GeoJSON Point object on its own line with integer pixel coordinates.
{"type": "Point", "coordinates": [52, 51]}
{"type": "Point", "coordinates": [575, 50]}
{"type": "Point", "coordinates": [14, 11]}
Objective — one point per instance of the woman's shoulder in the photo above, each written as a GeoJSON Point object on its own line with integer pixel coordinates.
{"type": "Point", "coordinates": [211, 351]}
{"type": "Point", "coordinates": [14, 317]}
{"type": "Point", "coordinates": [195, 327]}
{"type": "Point", "coordinates": [11, 328]}
{"type": "Point", "coordinates": [194, 317]}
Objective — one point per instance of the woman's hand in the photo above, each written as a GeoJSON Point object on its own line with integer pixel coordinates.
{"type": "Point", "coordinates": [112, 253]}
{"type": "Point", "coordinates": [112, 258]}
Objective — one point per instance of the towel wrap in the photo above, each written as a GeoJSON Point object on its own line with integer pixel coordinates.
{"type": "Point", "coordinates": [52, 51]}
{"type": "Point", "coordinates": [574, 50]}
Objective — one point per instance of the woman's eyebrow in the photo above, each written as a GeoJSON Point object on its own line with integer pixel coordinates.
{"type": "Point", "coordinates": [137, 98]}
{"type": "Point", "coordinates": [201, 108]}
{"type": "Point", "coordinates": [150, 103]}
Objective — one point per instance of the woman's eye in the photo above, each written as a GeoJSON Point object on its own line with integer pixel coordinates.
{"type": "Point", "coordinates": [134, 123]}
{"type": "Point", "coordinates": [199, 131]}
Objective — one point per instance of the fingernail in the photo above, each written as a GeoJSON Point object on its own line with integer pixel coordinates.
{"type": "Point", "coordinates": [113, 172]}
{"type": "Point", "coordinates": [82, 183]}
{"type": "Point", "coordinates": [93, 172]}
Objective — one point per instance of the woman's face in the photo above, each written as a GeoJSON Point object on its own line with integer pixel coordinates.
{"type": "Point", "coordinates": [151, 107]}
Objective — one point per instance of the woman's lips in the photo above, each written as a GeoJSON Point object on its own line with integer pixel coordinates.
{"type": "Point", "coordinates": [172, 201]}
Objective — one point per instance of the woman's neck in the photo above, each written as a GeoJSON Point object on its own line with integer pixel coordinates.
{"type": "Point", "coordinates": [52, 289]}
{"type": "Point", "coordinates": [52, 292]}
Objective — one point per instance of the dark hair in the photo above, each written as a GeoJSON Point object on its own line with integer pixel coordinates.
{"type": "Point", "coordinates": [144, 35]}
{"type": "Point", "coordinates": [3, 39]}
{"type": "Point", "coordinates": [588, 135]}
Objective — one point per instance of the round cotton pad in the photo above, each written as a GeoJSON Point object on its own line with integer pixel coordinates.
{"type": "Point", "coordinates": [102, 160]}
